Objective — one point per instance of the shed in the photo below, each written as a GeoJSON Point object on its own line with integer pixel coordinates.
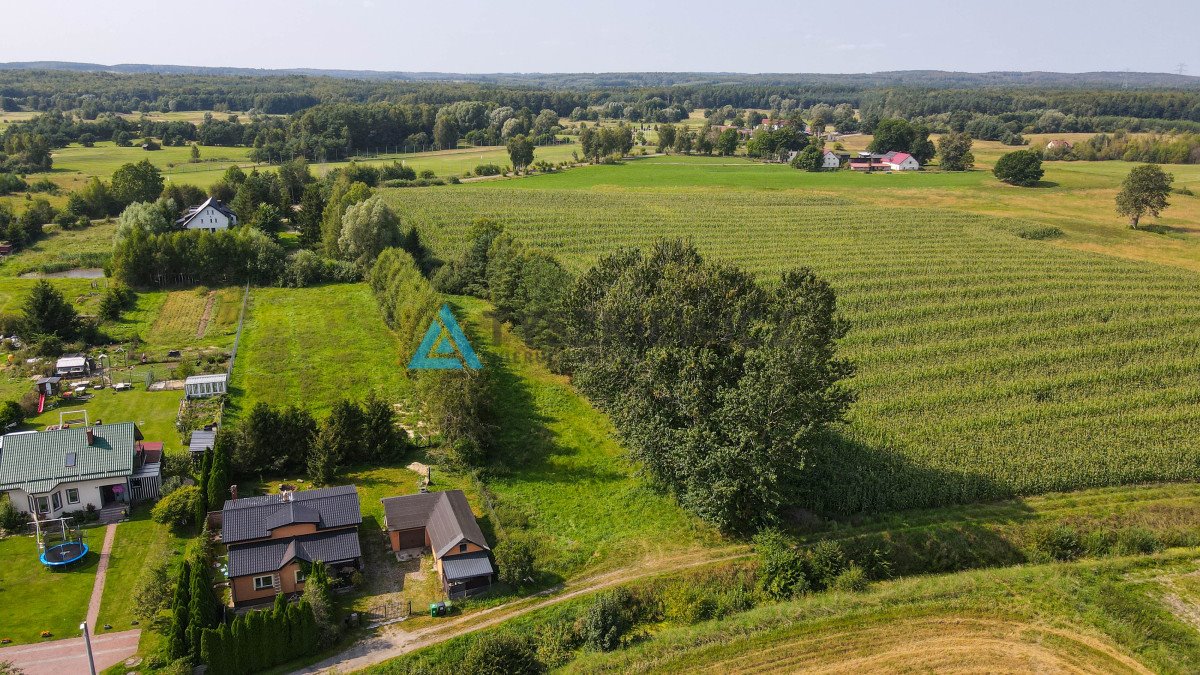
{"type": "Point", "coordinates": [200, 441]}
{"type": "Point", "coordinates": [203, 386]}
{"type": "Point", "coordinates": [48, 386]}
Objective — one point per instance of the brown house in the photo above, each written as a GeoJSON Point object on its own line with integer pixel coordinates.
{"type": "Point", "coordinates": [274, 538]}
{"type": "Point", "coordinates": [443, 523]}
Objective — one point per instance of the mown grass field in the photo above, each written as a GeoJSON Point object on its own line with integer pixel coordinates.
{"type": "Point", "coordinates": [33, 599]}
{"type": "Point", "coordinates": [139, 543]}
{"type": "Point", "coordinates": [989, 365]}
{"type": "Point", "coordinates": [315, 346]}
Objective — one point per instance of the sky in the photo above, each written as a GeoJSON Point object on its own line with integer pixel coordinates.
{"type": "Point", "coordinates": [479, 36]}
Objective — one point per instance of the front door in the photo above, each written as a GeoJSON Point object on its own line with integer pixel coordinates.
{"type": "Point", "coordinates": [106, 495]}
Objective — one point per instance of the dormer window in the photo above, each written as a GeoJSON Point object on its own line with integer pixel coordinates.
{"type": "Point", "coordinates": [462, 548]}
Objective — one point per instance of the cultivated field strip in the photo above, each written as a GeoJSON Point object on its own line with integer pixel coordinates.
{"type": "Point", "coordinates": [989, 365]}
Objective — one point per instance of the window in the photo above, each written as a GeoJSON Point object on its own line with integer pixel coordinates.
{"type": "Point", "coordinates": [43, 504]}
{"type": "Point", "coordinates": [136, 482]}
{"type": "Point", "coordinates": [72, 496]}
{"type": "Point", "coordinates": [300, 576]}
{"type": "Point", "coordinates": [263, 583]}
{"type": "Point", "coordinates": [462, 548]}
{"type": "Point", "coordinates": [57, 501]}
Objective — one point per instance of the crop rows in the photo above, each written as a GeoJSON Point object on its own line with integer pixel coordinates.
{"type": "Point", "coordinates": [989, 365]}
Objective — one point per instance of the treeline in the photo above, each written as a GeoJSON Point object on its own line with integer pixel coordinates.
{"type": "Point", "coordinates": [1161, 149]}
{"type": "Point", "coordinates": [259, 640]}
{"type": "Point", "coordinates": [718, 386]}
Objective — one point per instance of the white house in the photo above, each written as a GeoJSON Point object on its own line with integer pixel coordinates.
{"type": "Point", "coordinates": [211, 216]}
{"type": "Point", "coordinates": [203, 386]}
{"type": "Point", "coordinates": [830, 160]}
{"type": "Point", "coordinates": [73, 365]}
{"type": "Point", "coordinates": [71, 469]}
{"type": "Point", "coordinates": [901, 161]}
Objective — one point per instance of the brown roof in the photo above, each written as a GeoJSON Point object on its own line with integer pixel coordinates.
{"type": "Point", "coordinates": [446, 517]}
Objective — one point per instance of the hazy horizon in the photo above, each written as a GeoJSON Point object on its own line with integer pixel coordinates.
{"type": "Point", "coordinates": [477, 37]}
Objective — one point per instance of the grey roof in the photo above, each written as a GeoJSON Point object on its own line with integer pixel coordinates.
{"type": "Point", "coordinates": [255, 517]}
{"type": "Point", "coordinates": [201, 379]}
{"type": "Point", "coordinates": [466, 566]}
{"type": "Point", "coordinates": [202, 440]}
{"type": "Point", "coordinates": [446, 517]}
{"type": "Point", "coordinates": [273, 554]}
{"type": "Point", "coordinates": [37, 463]}
{"type": "Point", "coordinates": [211, 201]}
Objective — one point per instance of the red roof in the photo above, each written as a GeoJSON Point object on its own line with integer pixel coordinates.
{"type": "Point", "coordinates": [899, 158]}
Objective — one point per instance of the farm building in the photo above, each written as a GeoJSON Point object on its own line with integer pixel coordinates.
{"type": "Point", "coordinates": [830, 160]}
{"type": "Point", "coordinates": [210, 216]}
{"type": "Point", "coordinates": [101, 466]}
{"type": "Point", "coordinates": [901, 161]}
{"type": "Point", "coordinates": [74, 365]}
{"type": "Point", "coordinates": [273, 539]}
{"type": "Point", "coordinates": [203, 386]}
{"type": "Point", "coordinates": [891, 161]}
{"type": "Point", "coordinates": [443, 523]}
{"type": "Point", "coordinates": [1058, 143]}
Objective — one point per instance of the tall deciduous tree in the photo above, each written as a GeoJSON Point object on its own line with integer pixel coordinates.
{"type": "Point", "coordinates": [140, 182]}
{"type": "Point", "coordinates": [954, 151]}
{"type": "Point", "coordinates": [1144, 191]}
{"type": "Point", "coordinates": [520, 152]}
{"type": "Point", "coordinates": [368, 227]}
{"type": "Point", "coordinates": [1023, 168]}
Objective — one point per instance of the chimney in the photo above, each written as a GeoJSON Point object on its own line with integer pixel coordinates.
{"type": "Point", "coordinates": [285, 496]}
{"type": "Point", "coordinates": [91, 436]}
{"type": "Point", "coordinates": [233, 491]}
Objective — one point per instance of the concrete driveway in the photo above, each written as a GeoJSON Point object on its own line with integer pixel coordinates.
{"type": "Point", "coordinates": [61, 657]}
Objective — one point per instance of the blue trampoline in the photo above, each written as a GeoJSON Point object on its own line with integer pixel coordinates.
{"type": "Point", "coordinates": [64, 554]}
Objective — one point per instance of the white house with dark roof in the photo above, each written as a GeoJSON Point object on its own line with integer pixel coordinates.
{"type": "Point", "coordinates": [443, 523]}
{"type": "Point", "coordinates": [210, 216]}
{"type": "Point", "coordinates": [273, 539]}
{"type": "Point", "coordinates": [102, 466]}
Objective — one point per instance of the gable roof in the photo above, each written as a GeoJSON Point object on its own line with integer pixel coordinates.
{"type": "Point", "coordinates": [898, 157]}
{"type": "Point", "coordinates": [217, 204]}
{"type": "Point", "coordinates": [255, 517]}
{"type": "Point", "coordinates": [38, 462]}
{"type": "Point", "coordinates": [446, 517]}
{"type": "Point", "coordinates": [272, 554]}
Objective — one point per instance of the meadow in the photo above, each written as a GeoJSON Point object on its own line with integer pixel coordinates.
{"type": "Point", "coordinates": [988, 365]}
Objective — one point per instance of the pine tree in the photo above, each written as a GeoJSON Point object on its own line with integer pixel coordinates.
{"type": "Point", "coordinates": [323, 460]}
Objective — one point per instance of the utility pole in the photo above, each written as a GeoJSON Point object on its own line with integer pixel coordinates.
{"type": "Point", "coordinates": [87, 641]}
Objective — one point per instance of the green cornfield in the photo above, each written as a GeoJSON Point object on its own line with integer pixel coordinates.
{"type": "Point", "coordinates": [988, 365]}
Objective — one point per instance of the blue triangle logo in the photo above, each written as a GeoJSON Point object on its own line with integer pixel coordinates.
{"type": "Point", "coordinates": [444, 346]}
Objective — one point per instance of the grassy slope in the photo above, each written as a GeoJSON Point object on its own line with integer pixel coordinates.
{"type": "Point", "coordinates": [988, 364]}
{"type": "Point", "coordinates": [33, 599]}
{"type": "Point", "coordinates": [1092, 615]}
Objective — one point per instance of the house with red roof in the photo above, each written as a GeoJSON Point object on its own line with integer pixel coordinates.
{"type": "Point", "coordinates": [901, 161]}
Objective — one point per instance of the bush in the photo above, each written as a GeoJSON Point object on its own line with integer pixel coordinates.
{"type": "Point", "coordinates": [488, 170]}
{"type": "Point", "coordinates": [428, 174]}
{"type": "Point", "coordinates": [826, 561]}
{"type": "Point", "coordinates": [606, 620]}
{"type": "Point", "coordinates": [1036, 232]}
{"type": "Point", "coordinates": [1055, 543]}
{"type": "Point", "coordinates": [11, 414]}
{"type": "Point", "coordinates": [686, 604]}
{"type": "Point", "coordinates": [1136, 541]}
{"type": "Point", "coordinates": [501, 653]}
{"type": "Point", "coordinates": [515, 558]}
{"type": "Point", "coordinates": [177, 508]}
{"type": "Point", "coordinates": [44, 185]}
{"type": "Point", "coordinates": [555, 643]}
{"type": "Point", "coordinates": [10, 182]}
{"type": "Point", "coordinates": [11, 520]}
{"type": "Point", "coordinates": [852, 580]}
{"type": "Point", "coordinates": [782, 569]}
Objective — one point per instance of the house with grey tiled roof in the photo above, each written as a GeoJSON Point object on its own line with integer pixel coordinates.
{"type": "Point", "coordinates": [443, 523]}
{"type": "Point", "coordinates": [93, 466]}
{"type": "Point", "coordinates": [209, 216]}
{"type": "Point", "coordinates": [274, 539]}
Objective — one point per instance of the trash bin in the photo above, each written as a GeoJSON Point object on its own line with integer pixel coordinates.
{"type": "Point", "coordinates": [433, 609]}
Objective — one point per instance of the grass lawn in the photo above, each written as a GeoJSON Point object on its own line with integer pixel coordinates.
{"type": "Point", "coordinates": [315, 346]}
{"type": "Point", "coordinates": [75, 164]}
{"type": "Point", "coordinates": [33, 599]}
{"type": "Point", "coordinates": [64, 249]}
{"type": "Point", "coordinates": [139, 541]}
{"type": "Point", "coordinates": [153, 411]}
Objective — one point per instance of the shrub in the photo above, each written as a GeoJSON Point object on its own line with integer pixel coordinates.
{"type": "Point", "coordinates": [686, 604]}
{"type": "Point", "coordinates": [11, 414]}
{"type": "Point", "coordinates": [606, 620]}
{"type": "Point", "coordinates": [782, 569]}
{"type": "Point", "coordinates": [1055, 543]}
{"type": "Point", "coordinates": [826, 561]}
{"type": "Point", "coordinates": [11, 182]}
{"type": "Point", "coordinates": [11, 519]}
{"type": "Point", "coordinates": [852, 580]}
{"type": "Point", "coordinates": [501, 653]}
{"type": "Point", "coordinates": [44, 185]}
{"type": "Point", "coordinates": [1136, 541]}
{"type": "Point", "coordinates": [1039, 232]}
{"type": "Point", "coordinates": [487, 170]}
{"type": "Point", "coordinates": [515, 558]}
{"type": "Point", "coordinates": [555, 642]}
{"type": "Point", "coordinates": [177, 508]}
{"type": "Point", "coordinates": [428, 174]}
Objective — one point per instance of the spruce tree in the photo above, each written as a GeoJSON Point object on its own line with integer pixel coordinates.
{"type": "Point", "coordinates": [177, 645]}
{"type": "Point", "coordinates": [202, 612]}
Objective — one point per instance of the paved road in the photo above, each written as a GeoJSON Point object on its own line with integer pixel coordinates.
{"type": "Point", "coordinates": [68, 657]}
